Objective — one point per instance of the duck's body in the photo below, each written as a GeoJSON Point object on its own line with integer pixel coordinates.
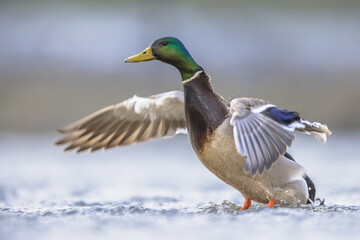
{"type": "Point", "coordinates": [243, 142]}
{"type": "Point", "coordinates": [284, 183]}
{"type": "Point", "coordinates": [211, 135]}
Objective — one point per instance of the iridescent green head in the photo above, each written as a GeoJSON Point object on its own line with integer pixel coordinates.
{"type": "Point", "coordinates": [169, 50]}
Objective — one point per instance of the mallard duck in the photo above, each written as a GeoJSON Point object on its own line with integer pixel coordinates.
{"type": "Point", "coordinates": [243, 142]}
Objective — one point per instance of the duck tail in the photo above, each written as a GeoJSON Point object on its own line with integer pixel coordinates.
{"type": "Point", "coordinates": [309, 183]}
{"type": "Point", "coordinates": [311, 189]}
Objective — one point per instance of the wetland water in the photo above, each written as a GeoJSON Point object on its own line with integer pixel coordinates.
{"type": "Point", "coordinates": [160, 190]}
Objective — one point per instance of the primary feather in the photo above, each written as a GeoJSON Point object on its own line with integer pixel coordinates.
{"type": "Point", "coordinates": [136, 119]}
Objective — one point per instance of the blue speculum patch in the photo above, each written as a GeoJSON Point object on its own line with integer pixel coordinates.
{"type": "Point", "coordinates": [281, 115]}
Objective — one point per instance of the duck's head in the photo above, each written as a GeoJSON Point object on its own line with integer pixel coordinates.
{"type": "Point", "coordinates": [172, 51]}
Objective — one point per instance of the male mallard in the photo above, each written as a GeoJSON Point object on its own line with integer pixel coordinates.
{"type": "Point", "coordinates": [243, 142]}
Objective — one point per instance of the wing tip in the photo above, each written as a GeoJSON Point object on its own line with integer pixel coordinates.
{"type": "Point", "coordinates": [59, 142]}
{"type": "Point", "coordinates": [61, 130]}
{"type": "Point", "coordinates": [62, 141]}
{"type": "Point", "coordinates": [70, 147]}
{"type": "Point", "coordinates": [326, 130]}
{"type": "Point", "coordinates": [82, 149]}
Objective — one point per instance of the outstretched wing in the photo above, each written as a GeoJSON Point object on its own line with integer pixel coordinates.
{"type": "Point", "coordinates": [136, 119]}
{"type": "Point", "coordinates": [263, 132]}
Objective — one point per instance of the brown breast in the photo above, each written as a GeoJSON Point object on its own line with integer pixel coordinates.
{"type": "Point", "coordinates": [205, 110]}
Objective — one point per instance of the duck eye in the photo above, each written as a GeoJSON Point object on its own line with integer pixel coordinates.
{"type": "Point", "coordinates": [164, 43]}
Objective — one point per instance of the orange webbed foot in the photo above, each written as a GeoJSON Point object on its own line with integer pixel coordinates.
{"type": "Point", "coordinates": [247, 204]}
{"type": "Point", "coordinates": [271, 203]}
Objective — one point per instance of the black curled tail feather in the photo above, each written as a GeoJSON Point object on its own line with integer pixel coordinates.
{"type": "Point", "coordinates": [309, 182]}
{"type": "Point", "coordinates": [311, 189]}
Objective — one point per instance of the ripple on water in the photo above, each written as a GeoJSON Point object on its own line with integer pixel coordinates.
{"type": "Point", "coordinates": [210, 208]}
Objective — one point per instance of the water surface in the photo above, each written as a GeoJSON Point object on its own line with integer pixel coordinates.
{"type": "Point", "coordinates": [159, 190]}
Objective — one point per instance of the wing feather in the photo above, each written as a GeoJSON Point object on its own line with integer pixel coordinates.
{"type": "Point", "coordinates": [268, 145]}
{"type": "Point", "coordinates": [133, 120]}
{"type": "Point", "coordinates": [263, 132]}
{"type": "Point", "coordinates": [254, 159]}
{"type": "Point", "coordinates": [260, 139]}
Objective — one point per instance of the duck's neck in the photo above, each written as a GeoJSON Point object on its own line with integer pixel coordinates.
{"type": "Point", "coordinates": [205, 110]}
{"type": "Point", "coordinates": [184, 63]}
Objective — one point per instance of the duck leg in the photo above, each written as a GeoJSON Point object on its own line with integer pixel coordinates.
{"type": "Point", "coordinates": [271, 203]}
{"type": "Point", "coordinates": [247, 204]}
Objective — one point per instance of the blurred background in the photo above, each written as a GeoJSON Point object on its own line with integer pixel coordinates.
{"type": "Point", "coordinates": [60, 60]}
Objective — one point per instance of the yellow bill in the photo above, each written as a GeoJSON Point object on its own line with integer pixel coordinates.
{"type": "Point", "coordinates": [145, 55]}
